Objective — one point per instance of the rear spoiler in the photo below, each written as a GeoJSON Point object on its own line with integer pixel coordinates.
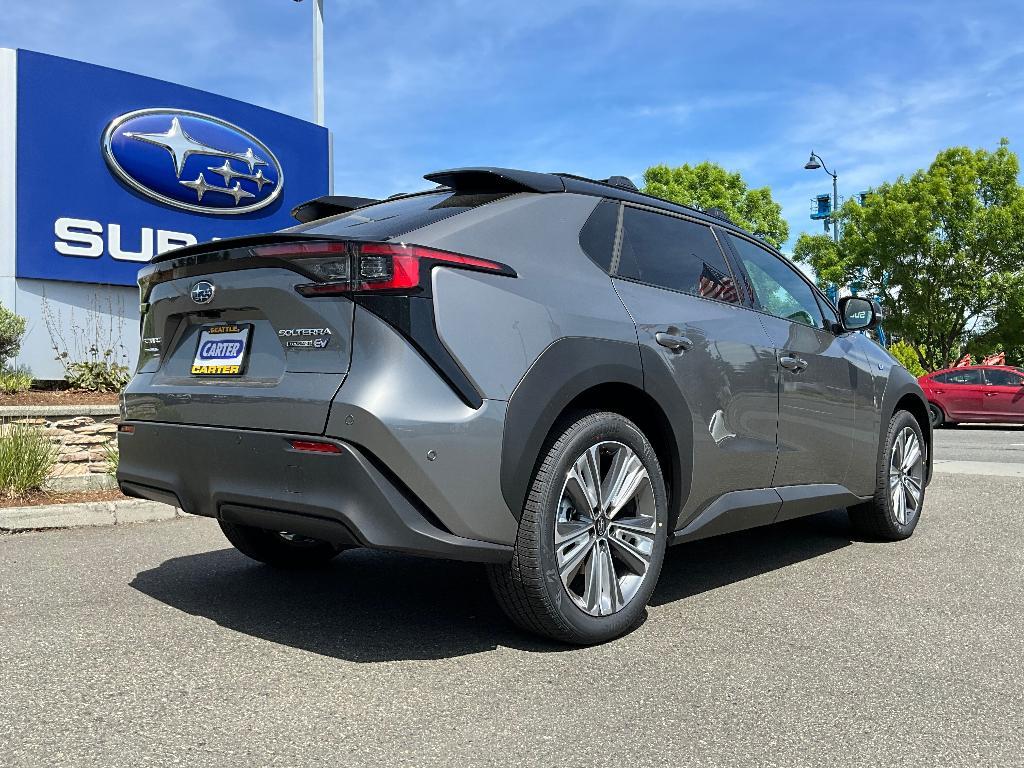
{"type": "Point", "coordinates": [483, 180]}
{"type": "Point", "coordinates": [328, 205]}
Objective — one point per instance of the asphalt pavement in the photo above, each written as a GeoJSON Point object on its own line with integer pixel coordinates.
{"type": "Point", "coordinates": [158, 645]}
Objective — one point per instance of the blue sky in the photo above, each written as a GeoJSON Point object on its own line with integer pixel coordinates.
{"type": "Point", "coordinates": [596, 88]}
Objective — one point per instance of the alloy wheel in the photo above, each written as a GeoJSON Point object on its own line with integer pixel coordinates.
{"type": "Point", "coordinates": [906, 476]}
{"type": "Point", "coordinates": [605, 528]}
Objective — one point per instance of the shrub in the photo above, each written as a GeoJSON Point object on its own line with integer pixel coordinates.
{"type": "Point", "coordinates": [15, 380]}
{"type": "Point", "coordinates": [904, 352]}
{"type": "Point", "coordinates": [12, 328]}
{"type": "Point", "coordinates": [26, 457]}
{"type": "Point", "coordinates": [99, 375]}
{"type": "Point", "coordinates": [90, 350]}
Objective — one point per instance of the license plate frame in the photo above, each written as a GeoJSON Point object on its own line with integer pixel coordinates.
{"type": "Point", "coordinates": [228, 360]}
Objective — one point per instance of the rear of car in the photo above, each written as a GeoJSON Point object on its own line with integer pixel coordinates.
{"type": "Point", "coordinates": [347, 380]}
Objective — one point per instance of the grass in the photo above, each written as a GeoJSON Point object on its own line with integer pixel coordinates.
{"type": "Point", "coordinates": [15, 380]}
{"type": "Point", "coordinates": [111, 457]}
{"type": "Point", "coordinates": [26, 457]}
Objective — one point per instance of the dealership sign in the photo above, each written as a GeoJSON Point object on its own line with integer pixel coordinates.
{"type": "Point", "coordinates": [114, 168]}
{"type": "Point", "coordinates": [158, 151]}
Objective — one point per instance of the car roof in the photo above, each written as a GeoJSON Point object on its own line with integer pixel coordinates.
{"type": "Point", "coordinates": [487, 178]}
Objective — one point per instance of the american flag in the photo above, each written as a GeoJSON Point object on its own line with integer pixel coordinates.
{"type": "Point", "coordinates": [717, 285]}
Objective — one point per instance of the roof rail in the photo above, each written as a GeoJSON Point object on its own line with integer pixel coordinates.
{"type": "Point", "coordinates": [328, 205]}
{"type": "Point", "coordinates": [496, 180]}
{"type": "Point", "coordinates": [621, 181]}
{"type": "Point", "coordinates": [718, 213]}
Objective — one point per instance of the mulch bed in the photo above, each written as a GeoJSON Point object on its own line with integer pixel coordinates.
{"type": "Point", "coordinates": [59, 397]}
{"type": "Point", "coordinates": [36, 498]}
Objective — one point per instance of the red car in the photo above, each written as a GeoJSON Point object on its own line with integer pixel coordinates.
{"type": "Point", "coordinates": [975, 393]}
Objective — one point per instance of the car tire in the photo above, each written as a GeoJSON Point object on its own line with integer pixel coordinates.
{"type": "Point", "coordinates": [594, 584]}
{"type": "Point", "coordinates": [277, 548]}
{"type": "Point", "coordinates": [893, 513]}
{"type": "Point", "coordinates": [936, 415]}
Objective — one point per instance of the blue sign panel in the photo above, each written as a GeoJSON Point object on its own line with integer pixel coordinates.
{"type": "Point", "coordinates": [114, 168]}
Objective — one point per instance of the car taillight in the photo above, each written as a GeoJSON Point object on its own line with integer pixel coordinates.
{"type": "Point", "coordinates": [342, 267]}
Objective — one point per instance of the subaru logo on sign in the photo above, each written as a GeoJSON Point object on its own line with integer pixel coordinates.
{"type": "Point", "coordinates": [192, 161]}
{"type": "Point", "coordinates": [202, 292]}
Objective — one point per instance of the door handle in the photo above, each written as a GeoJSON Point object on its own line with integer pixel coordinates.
{"type": "Point", "coordinates": [991, 394]}
{"type": "Point", "coordinates": [793, 363]}
{"type": "Point", "coordinates": [673, 341]}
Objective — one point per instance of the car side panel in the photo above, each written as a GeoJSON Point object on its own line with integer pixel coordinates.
{"type": "Point", "coordinates": [818, 407]}
{"type": "Point", "coordinates": [401, 412]}
{"type": "Point", "coordinates": [728, 380]}
{"type": "Point", "coordinates": [899, 383]}
{"type": "Point", "coordinates": [497, 327]}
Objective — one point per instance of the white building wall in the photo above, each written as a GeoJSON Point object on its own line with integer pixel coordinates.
{"type": "Point", "coordinates": [8, 173]}
{"type": "Point", "coordinates": [74, 317]}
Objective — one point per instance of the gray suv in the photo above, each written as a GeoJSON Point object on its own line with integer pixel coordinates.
{"type": "Point", "coordinates": [552, 375]}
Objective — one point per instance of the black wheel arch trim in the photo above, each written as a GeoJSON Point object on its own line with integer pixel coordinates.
{"type": "Point", "coordinates": [566, 369]}
{"type": "Point", "coordinates": [902, 384]}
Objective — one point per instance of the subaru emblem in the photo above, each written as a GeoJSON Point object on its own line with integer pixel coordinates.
{"type": "Point", "coordinates": [202, 292]}
{"type": "Point", "coordinates": [192, 161]}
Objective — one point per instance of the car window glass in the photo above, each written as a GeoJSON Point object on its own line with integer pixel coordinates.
{"type": "Point", "coordinates": [674, 253]}
{"type": "Point", "coordinates": [971, 376]}
{"type": "Point", "coordinates": [831, 316]}
{"type": "Point", "coordinates": [1003, 378]}
{"type": "Point", "coordinates": [397, 217]}
{"type": "Point", "coordinates": [597, 238]}
{"type": "Point", "coordinates": [780, 290]}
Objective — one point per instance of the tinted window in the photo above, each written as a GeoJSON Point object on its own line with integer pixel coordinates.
{"type": "Point", "coordinates": [830, 314]}
{"type": "Point", "coordinates": [779, 289]}
{"type": "Point", "coordinates": [674, 253]}
{"type": "Point", "coordinates": [1003, 378]}
{"type": "Point", "coordinates": [396, 217]}
{"type": "Point", "coordinates": [969, 376]}
{"type": "Point", "coordinates": [597, 238]}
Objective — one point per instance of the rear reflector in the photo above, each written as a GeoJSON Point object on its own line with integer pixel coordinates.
{"type": "Point", "coordinates": [126, 429]}
{"type": "Point", "coordinates": [296, 250]}
{"type": "Point", "coordinates": [312, 446]}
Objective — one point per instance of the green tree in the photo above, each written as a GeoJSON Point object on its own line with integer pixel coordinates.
{"type": "Point", "coordinates": [708, 185]}
{"type": "Point", "coordinates": [944, 249]}
{"type": "Point", "coordinates": [12, 328]}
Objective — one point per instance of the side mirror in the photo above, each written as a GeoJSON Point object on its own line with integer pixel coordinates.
{"type": "Point", "coordinates": [858, 313]}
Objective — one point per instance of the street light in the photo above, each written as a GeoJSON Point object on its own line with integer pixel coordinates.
{"type": "Point", "coordinates": [318, 61]}
{"type": "Point", "coordinates": [814, 163]}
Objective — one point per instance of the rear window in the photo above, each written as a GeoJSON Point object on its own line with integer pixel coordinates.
{"type": "Point", "coordinates": [391, 218]}
{"type": "Point", "coordinates": [597, 238]}
{"type": "Point", "coordinates": [1000, 378]}
{"type": "Point", "coordinates": [674, 253]}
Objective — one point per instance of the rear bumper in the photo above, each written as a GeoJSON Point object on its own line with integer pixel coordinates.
{"type": "Point", "coordinates": [257, 478]}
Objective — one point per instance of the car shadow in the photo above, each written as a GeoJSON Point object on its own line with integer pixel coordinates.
{"type": "Point", "coordinates": [376, 607]}
{"type": "Point", "coordinates": [701, 566]}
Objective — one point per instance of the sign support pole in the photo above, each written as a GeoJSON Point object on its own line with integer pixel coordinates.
{"type": "Point", "coordinates": [318, 61]}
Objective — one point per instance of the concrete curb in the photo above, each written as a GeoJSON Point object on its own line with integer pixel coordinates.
{"type": "Point", "coordinates": [74, 483]}
{"type": "Point", "coordinates": [86, 514]}
{"type": "Point", "coordinates": [58, 410]}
